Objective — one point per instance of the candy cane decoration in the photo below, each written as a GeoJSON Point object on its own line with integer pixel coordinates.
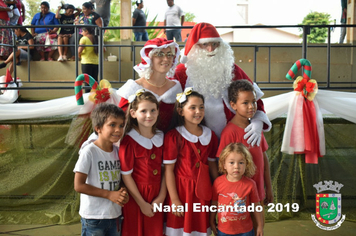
{"type": "Point", "coordinates": [297, 65]}
{"type": "Point", "coordinates": [78, 86]}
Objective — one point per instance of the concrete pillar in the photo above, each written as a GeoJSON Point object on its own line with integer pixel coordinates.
{"type": "Point", "coordinates": [126, 20]}
{"type": "Point", "coordinates": [125, 17]}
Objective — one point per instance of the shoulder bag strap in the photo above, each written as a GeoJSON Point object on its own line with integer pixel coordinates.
{"type": "Point", "coordinates": [196, 151]}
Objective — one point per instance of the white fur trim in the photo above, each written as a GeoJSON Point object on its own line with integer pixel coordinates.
{"type": "Point", "coordinates": [169, 161]}
{"type": "Point", "coordinates": [227, 102]}
{"type": "Point", "coordinates": [259, 93]}
{"type": "Point", "coordinates": [261, 116]}
{"type": "Point", "coordinates": [156, 140]}
{"type": "Point", "coordinates": [183, 59]}
{"type": "Point", "coordinates": [208, 40]}
{"type": "Point", "coordinates": [215, 116]}
{"type": "Point", "coordinates": [204, 139]}
{"type": "Point", "coordinates": [127, 172]}
{"type": "Point", "coordinates": [169, 97]}
{"type": "Point", "coordinates": [129, 88]}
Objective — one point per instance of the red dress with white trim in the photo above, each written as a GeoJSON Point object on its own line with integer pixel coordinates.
{"type": "Point", "coordinates": [142, 158]}
{"type": "Point", "coordinates": [178, 150]}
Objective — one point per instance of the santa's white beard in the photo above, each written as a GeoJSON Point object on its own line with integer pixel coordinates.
{"type": "Point", "coordinates": [210, 75]}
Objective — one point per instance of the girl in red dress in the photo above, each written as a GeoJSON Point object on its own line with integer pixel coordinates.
{"type": "Point", "coordinates": [140, 155]}
{"type": "Point", "coordinates": [188, 148]}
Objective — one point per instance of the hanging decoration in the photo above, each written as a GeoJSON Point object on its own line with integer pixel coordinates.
{"type": "Point", "coordinates": [304, 132]}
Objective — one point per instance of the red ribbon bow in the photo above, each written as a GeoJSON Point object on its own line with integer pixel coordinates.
{"type": "Point", "coordinates": [101, 95]}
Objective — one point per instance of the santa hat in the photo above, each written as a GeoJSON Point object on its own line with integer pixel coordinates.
{"type": "Point", "coordinates": [5, 80]}
{"type": "Point", "coordinates": [201, 33]}
{"type": "Point", "coordinates": [8, 78]}
{"type": "Point", "coordinates": [157, 43]}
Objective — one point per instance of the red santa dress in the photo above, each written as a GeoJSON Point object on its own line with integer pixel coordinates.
{"type": "Point", "coordinates": [166, 101]}
{"type": "Point", "coordinates": [219, 111]}
{"type": "Point", "coordinates": [142, 157]}
{"type": "Point", "coordinates": [178, 150]}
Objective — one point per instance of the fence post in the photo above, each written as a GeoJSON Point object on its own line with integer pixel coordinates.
{"type": "Point", "coordinates": [306, 32]}
{"type": "Point", "coordinates": [328, 47]}
{"type": "Point", "coordinates": [14, 53]}
{"type": "Point", "coordinates": [100, 52]}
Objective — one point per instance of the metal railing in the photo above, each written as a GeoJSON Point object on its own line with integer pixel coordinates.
{"type": "Point", "coordinates": [101, 44]}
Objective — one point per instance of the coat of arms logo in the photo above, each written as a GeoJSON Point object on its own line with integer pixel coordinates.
{"type": "Point", "coordinates": [328, 205]}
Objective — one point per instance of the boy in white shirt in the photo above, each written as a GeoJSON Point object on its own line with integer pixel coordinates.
{"type": "Point", "coordinates": [97, 174]}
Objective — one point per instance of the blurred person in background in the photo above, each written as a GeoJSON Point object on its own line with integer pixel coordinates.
{"type": "Point", "coordinates": [66, 33]}
{"type": "Point", "coordinates": [139, 19]}
{"type": "Point", "coordinates": [45, 17]}
{"type": "Point", "coordinates": [5, 33]}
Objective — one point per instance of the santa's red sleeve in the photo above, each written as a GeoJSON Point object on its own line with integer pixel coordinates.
{"type": "Point", "coordinates": [124, 104]}
{"type": "Point", "coordinates": [181, 75]}
{"type": "Point", "coordinates": [240, 74]}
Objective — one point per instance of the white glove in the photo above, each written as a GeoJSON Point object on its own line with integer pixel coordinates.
{"type": "Point", "coordinates": [254, 132]}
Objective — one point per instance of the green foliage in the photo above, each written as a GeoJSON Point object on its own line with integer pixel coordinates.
{"type": "Point", "coordinates": [152, 33]}
{"type": "Point", "coordinates": [114, 35]}
{"type": "Point", "coordinates": [32, 7]}
{"type": "Point", "coordinates": [317, 35]}
{"type": "Point", "coordinates": [115, 9]}
{"type": "Point", "coordinates": [189, 17]}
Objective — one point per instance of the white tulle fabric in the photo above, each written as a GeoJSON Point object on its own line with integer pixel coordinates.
{"type": "Point", "coordinates": [8, 96]}
{"type": "Point", "coordinates": [295, 126]}
{"type": "Point", "coordinates": [340, 104]}
{"type": "Point", "coordinates": [51, 108]}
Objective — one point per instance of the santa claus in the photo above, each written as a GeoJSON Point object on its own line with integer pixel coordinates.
{"type": "Point", "coordinates": [208, 66]}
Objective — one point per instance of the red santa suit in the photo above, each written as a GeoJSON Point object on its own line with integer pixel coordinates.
{"type": "Point", "coordinates": [178, 150]}
{"type": "Point", "coordinates": [217, 110]}
{"type": "Point", "coordinates": [142, 158]}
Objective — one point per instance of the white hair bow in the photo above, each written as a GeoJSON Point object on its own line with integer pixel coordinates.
{"type": "Point", "coordinates": [138, 93]}
{"type": "Point", "coordinates": [182, 97]}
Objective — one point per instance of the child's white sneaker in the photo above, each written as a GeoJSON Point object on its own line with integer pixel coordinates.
{"type": "Point", "coordinates": [64, 58]}
{"type": "Point", "coordinates": [60, 59]}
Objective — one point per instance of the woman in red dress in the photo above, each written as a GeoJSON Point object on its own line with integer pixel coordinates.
{"type": "Point", "coordinates": [154, 78]}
